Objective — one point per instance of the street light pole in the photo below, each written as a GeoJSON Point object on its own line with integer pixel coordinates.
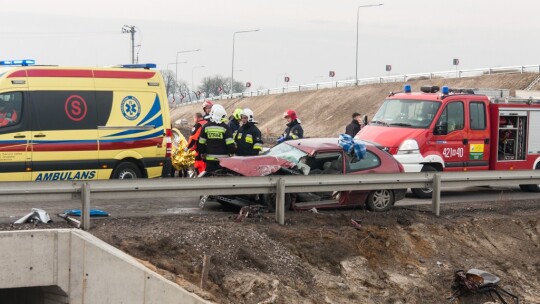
{"type": "Point", "coordinates": [358, 17]}
{"type": "Point", "coordinates": [232, 68]}
{"type": "Point", "coordinates": [192, 69]}
{"type": "Point", "coordinates": [179, 52]}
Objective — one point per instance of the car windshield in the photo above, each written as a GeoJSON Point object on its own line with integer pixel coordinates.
{"type": "Point", "coordinates": [406, 113]}
{"type": "Point", "coordinates": [286, 152]}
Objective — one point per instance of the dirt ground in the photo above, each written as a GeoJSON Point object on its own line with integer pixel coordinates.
{"type": "Point", "coordinates": [403, 256]}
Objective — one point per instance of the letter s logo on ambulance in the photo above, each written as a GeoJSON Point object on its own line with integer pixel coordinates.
{"type": "Point", "coordinates": [131, 108]}
{"type": "Point", "coordinates": [75, 107]}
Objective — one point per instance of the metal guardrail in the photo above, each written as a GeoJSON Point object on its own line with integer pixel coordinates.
{"type": "Point", "coordinates": [162, 188]}
{"type": "Point", "coordinates": [380, 79]}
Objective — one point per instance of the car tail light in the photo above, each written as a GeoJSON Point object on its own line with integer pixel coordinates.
{"type": "Point", "coordinates": [168, 141]}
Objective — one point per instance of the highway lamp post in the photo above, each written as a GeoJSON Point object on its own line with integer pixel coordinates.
{"type": "Point", "coordinates": [232, 65]}
{"type": "Point", "coordinates": [193, 69]}
{"type": "Point", "coordinates": [180, 52]}
{"type": "Point", "coordinates": [357, 18]}
{"type": "Point", "coordinates": [175, 78]}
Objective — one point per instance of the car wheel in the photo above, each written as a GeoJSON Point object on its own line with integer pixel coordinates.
{"type": "Point", "coordinates": [424, 192]}
{"type": "Point", "coordinates": [270, 200]}
{"type": "Point", "coordinates": [127, 170]}
{"type": "Point", "coordinates": [380, 200]}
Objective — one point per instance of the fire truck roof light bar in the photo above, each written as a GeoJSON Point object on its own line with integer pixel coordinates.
{"type": "Point", "coordinates": [407, 88]}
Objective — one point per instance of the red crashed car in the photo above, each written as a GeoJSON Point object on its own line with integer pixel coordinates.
{"type": "Point", "coordinates": [315, 156]}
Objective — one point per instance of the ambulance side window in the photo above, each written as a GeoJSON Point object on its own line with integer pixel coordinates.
{"type": "Point", "coordinates": [63, 110]}
{"type": "Point", "coordinates": [10, 108]}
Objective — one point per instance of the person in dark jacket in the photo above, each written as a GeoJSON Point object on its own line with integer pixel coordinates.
{"type": "Point", "coordinates": [355, 125]}
{"type": "Point", "coordinates": [294, 129]}
{"type": "Point", "coordinates": [234, 120]}
{"type": "Point", "coordinates": [248, 138]}
{"type": "Point", "coordinates": [215, 141]}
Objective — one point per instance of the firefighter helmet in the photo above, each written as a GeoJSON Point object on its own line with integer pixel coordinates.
{"type": "Point", "coordinates": [207, 103]}
{"type": "Point", "coordinates": [247, 112]}
{"type": "Point", "coordinates": [217, 113]}
{"type": "Point", "coordinates": [291, 114]}
{"type": "Point", "coordinates": [237, 114]}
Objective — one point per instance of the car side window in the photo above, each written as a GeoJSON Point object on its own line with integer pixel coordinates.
{"type": "Point", "coordinates": [369, 161]}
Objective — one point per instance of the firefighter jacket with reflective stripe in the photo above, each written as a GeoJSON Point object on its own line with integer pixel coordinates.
{"type": "Point", "coordinates": [248, 140]}
{"type": "Point", "coordinates": [194, 137]}
{"type": "Point", "coordinates": [215, 141]}
{"type": "Point", "coordinates": [294, 131]}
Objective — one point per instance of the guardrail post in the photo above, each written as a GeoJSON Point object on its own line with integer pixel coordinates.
{"type": "Point", "coordinates": [85, 211]}
{"type": "Point", "coordinates": [436, 194]}
{"type": "Point", "coordinates": [280, 202]}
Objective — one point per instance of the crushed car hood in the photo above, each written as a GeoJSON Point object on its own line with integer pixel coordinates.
{"type": "Point", "coordinates": [255, 165]}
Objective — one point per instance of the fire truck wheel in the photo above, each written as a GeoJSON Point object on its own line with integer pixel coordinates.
{"type": "Point", "coordinates": [424, 192]}
{"type": "Point", "coordinates": [524, 188]}
{"type": "Point", "coordinates": [533, 187]}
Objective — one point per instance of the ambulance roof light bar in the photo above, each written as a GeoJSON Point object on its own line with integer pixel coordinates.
{"type": "Point", "coordinates": [146, 66]}
{"type": "Point", "coordinates": [22, 62]}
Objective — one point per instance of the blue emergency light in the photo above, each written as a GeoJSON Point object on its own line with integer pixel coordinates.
{"type": "Point", "coordinates": [23, 62]}
{"type": "Point", "coordinates": [139, 66]}
{"type": "Point", "coordinates": [407, 88]}
{"type": "Point", "coordinates": [445, 90]}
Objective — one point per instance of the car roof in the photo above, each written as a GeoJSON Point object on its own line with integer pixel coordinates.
{"type": "Point", "coordinates": [312, 145]}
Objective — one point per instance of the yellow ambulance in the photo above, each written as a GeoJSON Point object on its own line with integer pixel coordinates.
{"type": "Point", "coordinates": [60, 123]}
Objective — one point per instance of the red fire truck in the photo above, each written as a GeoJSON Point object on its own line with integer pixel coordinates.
{"type": "Point", "coordinates": [457, 130]}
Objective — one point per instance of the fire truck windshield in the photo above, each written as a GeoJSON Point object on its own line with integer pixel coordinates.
{"type": "Point", "coordinates": [407, 113]}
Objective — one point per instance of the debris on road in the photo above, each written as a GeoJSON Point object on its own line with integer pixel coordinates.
{"type": "Point", "coordinates": [476, 281]}
{"type": "Point", "coordinates": [74, 222]}
{"type": "Point", "coordinates": [356, 224]}
{"type": "Point", "coordinates": [93, 212]}
{"type": "Point", "coordinates": [257, 211]}
{"type": "Point", "coordinates": [37, 215]}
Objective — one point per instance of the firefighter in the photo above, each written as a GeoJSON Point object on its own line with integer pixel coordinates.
{"type": "Point", "coordinates": [248, 138]}
{"type": "Point", "coordinates": [207, 106]}
{"type": "Point", "coordinates": [216, 139]}
{"type": "Point", "coordinates": [192, 141]}
{"type": "Point", "coordinates": [294, 129]}
{"type": "Point", "coordinates": [234, 120]}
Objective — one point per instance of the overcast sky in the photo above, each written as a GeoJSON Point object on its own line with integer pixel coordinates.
{"type": "Point", "coordinates": [304, 38]}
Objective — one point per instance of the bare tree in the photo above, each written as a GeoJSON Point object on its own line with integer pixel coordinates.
{"type": "Point", "coordinates": [170, 81]}
{"type": "Point", "coordinates": [217, 85]}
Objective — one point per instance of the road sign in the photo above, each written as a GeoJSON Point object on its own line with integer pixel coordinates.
{"type": "Point", "coordinates": [388, 67]}
{"type": "Point", "coordinates": [248, 84]}
{"type": "Point", "coordinates": [332, 74]}
{"type": "Point", "coordinates": [456, 61]}
{"type": "Point", "coordinates": [287, 79]}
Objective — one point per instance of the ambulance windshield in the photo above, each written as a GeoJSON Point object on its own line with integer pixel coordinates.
{"type": "Point", "coordinates": [406, 113]}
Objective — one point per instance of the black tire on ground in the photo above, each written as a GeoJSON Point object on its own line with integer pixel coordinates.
{"type": "Point", "coordinates": [127, 170]}
{"type": "Point", "coordinates": [270, 200]}
{"type": "Point", "coordinates": [380, 200]}
{"type": "Point", "coordinates": [524, 188]}
{"type": "Point", "coordinates": [424, 192]}
{"type": "Point", "coordinates": [532, 187]}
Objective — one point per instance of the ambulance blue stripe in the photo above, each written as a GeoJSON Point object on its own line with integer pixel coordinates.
{"type": "Point", "coordinates": [153, 111]}
{"type": "Point", "coordinates": [13, 142]}
{"type": "Point", "coordinates": [129, 132]}
{"type": "Point", "coordinates": [155, 134]}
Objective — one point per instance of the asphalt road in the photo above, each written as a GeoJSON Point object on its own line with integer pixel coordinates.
{"type": "Point", "coordinates": [10, 212]}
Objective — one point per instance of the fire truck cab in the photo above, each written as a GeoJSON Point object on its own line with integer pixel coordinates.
{"type": "Point", "coordinates": [457, 130]}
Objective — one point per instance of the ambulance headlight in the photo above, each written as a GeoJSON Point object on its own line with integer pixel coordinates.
{"type": "Point", "coordinates": [409, 146]}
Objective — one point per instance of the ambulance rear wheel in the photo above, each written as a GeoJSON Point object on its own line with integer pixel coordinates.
{"type": "Point", "coordinates": [127, 170]}
{"type": "Point", "coordinates": [424, 192]}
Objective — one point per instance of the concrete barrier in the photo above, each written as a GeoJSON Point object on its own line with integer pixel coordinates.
{"type": "Point", "coordinates": [84, 268]}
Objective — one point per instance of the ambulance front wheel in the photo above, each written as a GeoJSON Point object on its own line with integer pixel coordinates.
{"type": "Point", "coordinates": [127, 170]}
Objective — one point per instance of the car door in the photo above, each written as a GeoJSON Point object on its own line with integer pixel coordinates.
{"type": "Point", "coordinates": [15, 150]}
{"type": "Point", "coordinates": [478, 141]}
{"type": "Point", "coordinates": [369, 164]}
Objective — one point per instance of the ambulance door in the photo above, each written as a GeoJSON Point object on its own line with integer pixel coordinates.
{"type": "Point", "coordinates": [14, 137]}
{"type": "Point", "coordinates": [64, 135]}
{"type": "Point", "coordinates": [478, 141]}
{"type": "Point", "coordinates": [450, 136]}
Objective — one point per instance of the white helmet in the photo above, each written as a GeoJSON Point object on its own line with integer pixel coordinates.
{"type": "Point", "coordinates": [217, 113]}
{"type": "Point", "coordinates": [247, 112]}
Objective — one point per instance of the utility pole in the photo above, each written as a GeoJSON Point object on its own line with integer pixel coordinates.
{"type": "Point", "coordinates": [130, 29]}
